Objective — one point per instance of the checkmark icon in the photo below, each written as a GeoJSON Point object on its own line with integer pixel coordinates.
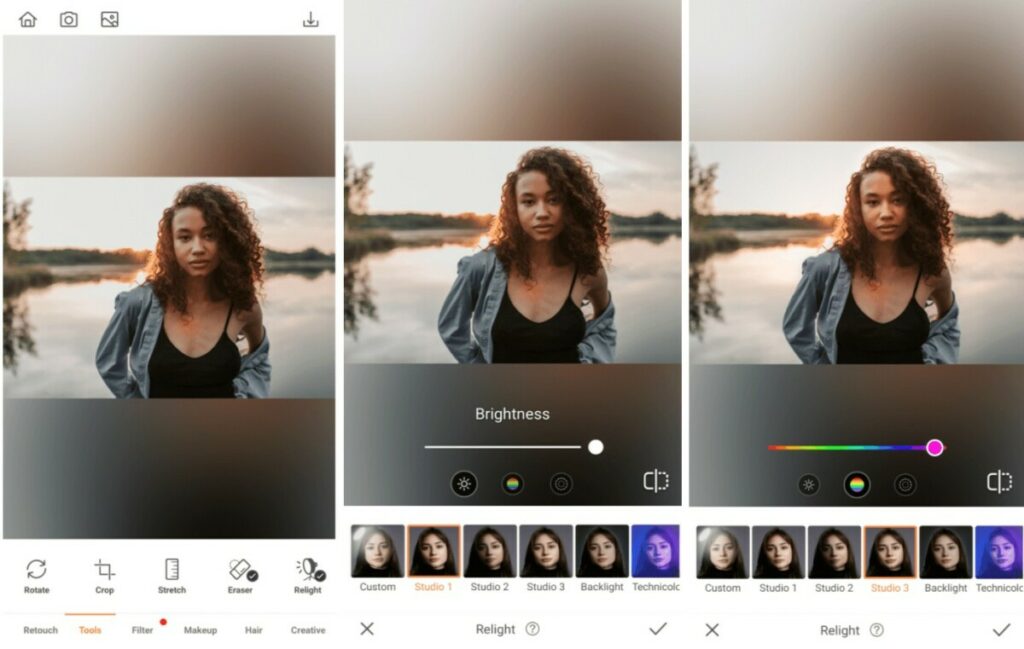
{"type": "Point", "coordinates": [663, 625]}
{"type": "Point", "coordinates": [1000, 633]}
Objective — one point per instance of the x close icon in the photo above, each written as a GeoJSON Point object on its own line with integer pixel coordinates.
{"type": "Point", "coordinates": [712, 630]}
{"type": "Point", "coordinates": [367, 628]}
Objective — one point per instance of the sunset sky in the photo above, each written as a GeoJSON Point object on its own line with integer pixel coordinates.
{"type": "Point", "coordinates": [109, 213]}
{"type": "Point", "coordinates": [455, 177]}
{"type": "Point", "coordinates": [800, 177]}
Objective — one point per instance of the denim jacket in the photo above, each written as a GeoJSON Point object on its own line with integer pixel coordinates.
{"type": "Point", "coordinates": [468, 314]}
{"type": "Point", "coordinates": [125, 348]}
{"type": "Point", "coordinates": [818, 302]}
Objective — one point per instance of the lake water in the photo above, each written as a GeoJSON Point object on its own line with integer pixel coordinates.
{"type": "Point", "coordinates": [65, 320]}
{"type": "Point", "coordinates": [401, 292]}
{"type": "Point", "coordinates": [752, 286]}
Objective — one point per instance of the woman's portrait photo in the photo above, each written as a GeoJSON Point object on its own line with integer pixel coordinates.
{"type": "Point", "coordinates": [779, 551]}
{"type": "Point", "coordinates": [544, 551]}
{"type": "Point", "coordinates": [889, 552]}
{"type": "Point", "coordinates": [433, 554]}
{"type": "Point", "coordinates": [655, 551]}
{"type": "Point", "coordinates": [489, 554]}
{"type": "Point", "coordinates": [375, 554]}
{"type": "Point", "coordinates": [835, 552]}
{"type": "Point", "coordinates": [720, 552]}
{"type": "Point", "coordinates": [513, 252]}
{"type": "Point", "coordinates": [544, 260]}
{"type": "Point", "coordinates": [999, 552]}
{"type": "Point", "coordinates": [600, 550]}
{"type": "Point", "coordinates": [889, 260]}
{"type": "Point", "coordinates": [200, 298]}
{"type": "Point", "coordinates": [169, 288]}
{"type": "Point", "coordinates": [946, 553]}
{"type": "Point", "coordinates": [856, 253]}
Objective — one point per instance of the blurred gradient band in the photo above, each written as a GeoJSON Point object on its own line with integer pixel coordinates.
{"type": "Point", "coordinates": [856, 70]}
{"type": "Point", "coordinates": [513, 70]}
{"type": "Point", "coordinates": [169, 468]}
{"type": "Point", "coordinates": [169, 106]}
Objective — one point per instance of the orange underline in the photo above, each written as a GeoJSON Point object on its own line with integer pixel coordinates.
{"type": "Point", "coordinates": [91, 614]}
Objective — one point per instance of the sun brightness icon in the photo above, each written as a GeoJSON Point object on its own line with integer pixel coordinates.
{"type": "Point", "coordinates": [465, 484]}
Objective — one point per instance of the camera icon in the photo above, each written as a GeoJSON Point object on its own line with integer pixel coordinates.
{"type": "Point", "coordinates": [68, 19]}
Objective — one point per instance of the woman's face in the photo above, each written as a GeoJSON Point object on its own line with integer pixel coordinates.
{"type": "Point", "coordinates": [434, 551]}
{"type": "Point", "coordinates": [545, 551]}
{"type": "Point", "coordinates": [890, 552]}
{"type": "Point", "coordinates": [490, 551]}
{"type": "Point", "coordinates": [883, 207]}
{"type": "Point", "coordinates": [602, 551]}
{"type": "Point", "coordinates": [538, 206]}
{"type": "Point", "coordinates": [658, 551]}
{"type": "Point", "coordinates": [722, 552]}
{"type": "Point", "coordinates": [945, 552]}
{"type": "Point", "coordinates": [377, 551]}
{"type": "Point", "coordinates": [195, 244]}
{"type": "Point", "coordinates": [1002, 552]}
{"type": "Point", "coordinates": [779, 552]}
{"type": "Point", "coordinates": [836, 553]}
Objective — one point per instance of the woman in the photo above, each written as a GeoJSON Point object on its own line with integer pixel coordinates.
{"type": "Point", "coordinates": [174, 336]}
{"type": "Point", "coordinates": [834, 557]}
{"type": "Point", "coordinates": [889, 556]}
{"type": "Point", "coordinates": [602, 556]}
{"type": "Point", "coordinates": [721, 556]}
{"type": "Point", "coordinates": [658, 555]}
{"type": "Point", "coordinates": [489, 556]}
{"type": "Point", "coordinates": [945, 557]}
{"type": "Point", "coordinates": [778, 557]}
{"type": "Point", "coordinates": [864, 300]}
{"type": "Point", "coordinates": [376, 556]}
{"type": "Point", "coordinates": [545, 555]}
{"type": "Point", "coordinates": [1001, 558]}
{"type": "Point", "coordinates": [521, 299]}
{"type": "Point", "coordinates": [432, 555]}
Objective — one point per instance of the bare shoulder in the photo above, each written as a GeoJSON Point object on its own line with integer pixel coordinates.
{"type": "Point", "coordinates": [596, 282]}
{"type": "Point", "coordinates": [250, 317]}
{"type": "Point", "coordinates": [941, 282]}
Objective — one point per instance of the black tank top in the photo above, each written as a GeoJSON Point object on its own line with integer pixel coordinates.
{"type": "Point", "coordinates": [518, 339]}
{"type": "Point", "coordinates": [862, 340]}
{"type": "Point", "coordinates": [175, 375]}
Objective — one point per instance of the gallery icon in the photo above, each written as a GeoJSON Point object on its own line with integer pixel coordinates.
{"type": "Point", "coordinates": [310, 569]}
{"type": "Point", "coordinates": [36, 569]}
{"type": "Point", "coordinates": [105, 569]}
{"type": "Point", "coordinates": [239, 568]}
{"type": "Point", "coordinates": [110, 19]}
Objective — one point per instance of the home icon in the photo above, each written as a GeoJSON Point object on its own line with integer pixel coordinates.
{"type": "Point", "coordinates": [27, 20]}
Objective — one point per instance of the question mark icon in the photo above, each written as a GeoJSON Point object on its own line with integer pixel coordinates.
{"type": "Point", "coordinates": [532, 628]}
{"type": "Point", "coordinates": [877, 630]}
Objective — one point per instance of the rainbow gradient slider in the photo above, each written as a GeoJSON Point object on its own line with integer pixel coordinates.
{"type": "Point", "coordinates": [934, 447]}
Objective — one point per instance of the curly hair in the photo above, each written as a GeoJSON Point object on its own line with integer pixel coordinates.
{"type": "Point", "coordinates": [238, 276]}
{"type": "Point", "coordinates": [585, 236]}
{"type": "Point", "coordinates": [929, 235]}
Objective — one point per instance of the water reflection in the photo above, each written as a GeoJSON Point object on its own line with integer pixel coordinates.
{"type": "Point", "coordinates": [17, 331]}
{"type": "Point", "coordinates": [737, 298]}
{"type": "Point", "coordinates": [392, 298]}
{"type": "Point", "coordinates": [51, 331]}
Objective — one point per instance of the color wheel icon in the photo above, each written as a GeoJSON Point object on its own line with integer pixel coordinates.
{"type": "Point", "coordinates": [857, 484]}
